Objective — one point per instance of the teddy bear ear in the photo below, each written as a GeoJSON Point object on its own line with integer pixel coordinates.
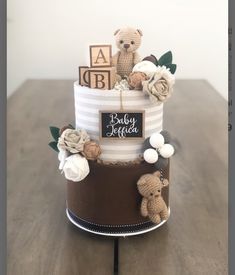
{"type": "Point", "coordinates": [141, 181]}
{"type": "Point", "coordinates": [157, 173]}
{"type": "Point", "coordinates": [165, 182]}
{"type": "Point", "coordinates": [140, 32]}
{"type": "Point", "coordinates": [116, 32]}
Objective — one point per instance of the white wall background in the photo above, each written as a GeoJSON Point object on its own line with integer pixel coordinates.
{"type": "Point", "coordinates": [50, 38]}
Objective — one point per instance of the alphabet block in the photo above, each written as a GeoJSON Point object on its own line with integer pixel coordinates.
{"type": "Point", "coordinates": [100, 55]}
{"type": "Point", "coordinates": [100, 78]}
{"type": "Point", "coordinates": [83, 75]}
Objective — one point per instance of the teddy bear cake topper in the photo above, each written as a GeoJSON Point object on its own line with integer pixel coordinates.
{"type": "Point", "coordinates": [126, 70]}
{"type": "Point", "coordinates": [128, 41]}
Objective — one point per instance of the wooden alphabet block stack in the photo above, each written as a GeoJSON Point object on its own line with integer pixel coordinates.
{"type": "Point", "coordinates": [100, 74]}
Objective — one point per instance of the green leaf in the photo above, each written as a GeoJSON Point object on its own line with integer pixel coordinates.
{"type": "Point", "coordinates": [53, 145]}
{"type": "Point", "coordinates": [172, 67]}
{"type": "Point", "coordinates": [55, 132]}
{"type": "Point", "coordinates": [166, 58]}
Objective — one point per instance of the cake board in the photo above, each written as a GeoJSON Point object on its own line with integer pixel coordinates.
{"type": "Point", "coordinates": [73, 220]}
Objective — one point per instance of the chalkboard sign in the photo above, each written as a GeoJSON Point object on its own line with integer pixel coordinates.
{"type": "Point", "coordinates": [122, 125]}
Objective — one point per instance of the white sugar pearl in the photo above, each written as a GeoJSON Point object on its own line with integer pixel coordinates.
{"type": "Point", "coordinates": [166, 151]}
{"type": "Point", "coordinates": [156, 140]}
{"type": "Point", "coordinates": [150, 155]}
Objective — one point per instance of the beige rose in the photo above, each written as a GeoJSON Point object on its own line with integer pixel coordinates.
{"type": "Point", "coordinates": [160, 86]}
{"type": "Point", "coordinates": [91, 150]}
{"type": "Point", "coordinates": [73, 140]}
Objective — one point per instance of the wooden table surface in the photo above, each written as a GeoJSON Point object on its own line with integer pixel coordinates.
{"type": "Point", "coordinates": [42, 241]}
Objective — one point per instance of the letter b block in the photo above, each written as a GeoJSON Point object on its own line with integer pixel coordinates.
{"type": "Point", "coordinates": [102, 79]}
{"type": "Point", "coordinates": [100, 55]}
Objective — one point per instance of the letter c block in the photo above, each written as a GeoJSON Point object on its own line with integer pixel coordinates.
{"type": "Point", "coordinates": [83, 75]}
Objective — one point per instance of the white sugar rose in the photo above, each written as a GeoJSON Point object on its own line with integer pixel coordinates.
{"type": "Point", "coordinates": [160, 86]}
{"type": "Point", "coordinates": [73, 140]}
{"type": "Point", "coordinates": [76, 168]}
{"type": "Point", "coordinates": [146, 67]}
{"type": "Point", "coordinates": [62, 155]}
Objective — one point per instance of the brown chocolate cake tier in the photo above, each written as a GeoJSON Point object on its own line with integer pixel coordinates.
{"type": "Point", "coordinates": [107, 200]}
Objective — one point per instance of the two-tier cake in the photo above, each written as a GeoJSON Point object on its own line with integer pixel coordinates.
{"type": "Point", "coordinates": [116, 157]}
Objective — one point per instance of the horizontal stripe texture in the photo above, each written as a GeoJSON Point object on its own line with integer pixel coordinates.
{"type": "Point", "coordinates": [88, 103]}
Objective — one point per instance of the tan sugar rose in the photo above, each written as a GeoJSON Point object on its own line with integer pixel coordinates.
{"type": "Point", "coordinates": [135, 80]}
{"type": "Point", "coordinates": [160, 86]}
{"type": "Point", "coordinates": [91, 150]}
{"type": "Point", "coordinates": [161, 89]}
{"type": "Point", "coordinates": [73, 140]}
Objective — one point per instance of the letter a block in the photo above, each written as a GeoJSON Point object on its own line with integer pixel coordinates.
{"type": "Point", "coordinates": [100, 55]}
{"type": "Point", "coordinates": [101, 78]}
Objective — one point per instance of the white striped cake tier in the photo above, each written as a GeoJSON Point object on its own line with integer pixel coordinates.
{"type": "Point", "coordinates": [88, 103]}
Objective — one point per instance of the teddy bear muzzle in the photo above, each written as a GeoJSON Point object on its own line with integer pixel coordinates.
{"type": "Point", "coordinates": [126, 46]}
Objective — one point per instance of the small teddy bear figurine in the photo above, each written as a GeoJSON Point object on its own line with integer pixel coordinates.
{"type": "Point", "coordinates": [153, 205]}
{"type": "Point", "coordinates": [128, 40]}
